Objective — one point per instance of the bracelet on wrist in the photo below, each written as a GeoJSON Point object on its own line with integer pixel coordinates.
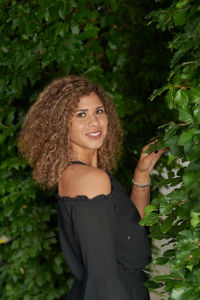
{"type": "Point", "coordinates": [139, 185]}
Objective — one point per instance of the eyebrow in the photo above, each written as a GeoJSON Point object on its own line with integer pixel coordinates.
{"type": "Point", "coordinates": [86, 109]}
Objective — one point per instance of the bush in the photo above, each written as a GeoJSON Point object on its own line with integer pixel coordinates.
{"type": "Point", "coordinates": [109, 42]}
{"type": "Point", "coordinates": [176, 216]}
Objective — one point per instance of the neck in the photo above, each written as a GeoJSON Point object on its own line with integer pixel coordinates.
{"type": "Point", "coordinates": [89, 158]}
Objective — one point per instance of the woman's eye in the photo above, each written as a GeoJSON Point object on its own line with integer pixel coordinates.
{"type": "Point", "coordinates": [100, 111]}
{"type": "Point", "coordinates": [81, 115]}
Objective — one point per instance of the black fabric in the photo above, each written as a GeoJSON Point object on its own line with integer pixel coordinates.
{"type": "Point", "coordinates": [104, 245]}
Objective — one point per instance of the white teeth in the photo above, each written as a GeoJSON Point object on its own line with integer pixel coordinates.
{"type": "Point", "coordinates": [94, 134]}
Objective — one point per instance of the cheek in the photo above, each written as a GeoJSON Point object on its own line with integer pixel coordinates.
{"type": "Point", "coordinates": [76, 127]}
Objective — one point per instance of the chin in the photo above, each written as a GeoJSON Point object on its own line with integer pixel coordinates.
{"type": "Point", "coordinates": [95, 147]}
{"type": "Point", "coordinates": [92, 144]}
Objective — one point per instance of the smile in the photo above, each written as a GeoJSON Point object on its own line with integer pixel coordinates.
{"type": "Point", "coordinates": [94, 134]}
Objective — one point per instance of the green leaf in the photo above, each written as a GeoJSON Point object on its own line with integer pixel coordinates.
{"type": "Point", "coordinates": [161, 260]}
{"type": "Point", "coordinates": [158, 92]}
{"type": "Point", "coordinates": [156, 233]}
{"type": "Point", "coordinates": [188, 239]}
{"type": "Point", "coordinates": [191, 177]}
{"type": "Point", "coordinates": [172, 143]}
{"type": "Point", "coordinates": [58, 269]}
{"type": "Point", "coordinates": [161, 278]}
{"type": "Point", "coordinates": [13, 163]}
{"type": "Point", "coordinates": [170, 98]}
{"type": "Point", "coordinates": [58, 260]}
{"type": "Point", "coordinates": [187, 136]}
{"type": "Point", "coordinates": [75, 29]}
{"type": "Point", "coordinates": [90, 31]}
{"type": "Point", "coordinates": [171, 158]}
{"type": "Point", "coordinates": [170, 131]}
{"type": "Point", "coordinates": [150, 219]}
{"type": "Point", "coordinates": [47, 15]}
{"type": "Point", "coordinates": [176, 271]}
{"type": "Point", "coordinates": [167, 223]}
{"type": "Point", "coordinates": [169, 253]}
{"type": "Point", "coordinates": [185, 115]}
{"type": "Point", "coordinates": [181, 3]}
{"type": "Point", "coordinates": [10, 116]}
{"type": "Point", "coordinates": [181, 292]}
{"type": "Point", "coordinates": [112, 46]}
{"type": "Point", "coordinates": [72, 3]}
{"type": "Point", "coordinates": [165, 207]}
{"type": "Point", "coordinates": [194, 94]}
{"type": "Point", "coordinates": [181, 99]}
{"type": "Point", "coordinates": [61, 14]}
{"type": "Point", "coordinates": [196, 112]}
{"type": "Point", "coordinates": [149, 209]}
{"type": "Point", "coordinates": [182, 256]}
{"type": "Point", "coordinates": [114, 4]}
{"type": "Point", "coordinates": [180, 17]}
{"type": "Point", "coordinates": [152, 284]}
{"type": "Point", "coordinates": [195, 218]}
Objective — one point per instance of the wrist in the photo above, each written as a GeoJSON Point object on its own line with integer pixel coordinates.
{"type": "Point", "coordinates": [141, 177]}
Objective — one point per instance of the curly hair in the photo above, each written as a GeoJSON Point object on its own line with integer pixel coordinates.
{"type": "Point", "coordinates": [44, 139]}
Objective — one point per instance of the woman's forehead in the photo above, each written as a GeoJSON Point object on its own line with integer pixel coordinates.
{"type": "Point", "coordinates": [89, 101]}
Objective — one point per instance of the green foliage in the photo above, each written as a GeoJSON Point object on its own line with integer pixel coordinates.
{"type": "Point", "coordinates": [176, 216]}
{"type": "Point", "coordinates": [109, 42]}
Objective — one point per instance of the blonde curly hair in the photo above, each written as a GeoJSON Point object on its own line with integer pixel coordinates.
{"type": "Point", "coordinates": [44, 139]}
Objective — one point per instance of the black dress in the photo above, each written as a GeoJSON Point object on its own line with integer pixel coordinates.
{"type": "Point", "coordinates": [104, 245]}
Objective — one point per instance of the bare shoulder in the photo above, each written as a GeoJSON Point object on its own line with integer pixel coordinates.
{"type": "Point", "coordinates": [84, 180]}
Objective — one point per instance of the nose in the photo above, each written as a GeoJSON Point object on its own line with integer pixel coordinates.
{"type": "Point", "coordinates": [93, 120]}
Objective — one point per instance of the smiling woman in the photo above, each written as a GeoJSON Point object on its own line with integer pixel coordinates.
{"type": "Point", "coordinates": [46, 128]}
{"type": "Point", "coordinates": [72, 139]}
{"type": "Point", "coordinates": [89, 126]}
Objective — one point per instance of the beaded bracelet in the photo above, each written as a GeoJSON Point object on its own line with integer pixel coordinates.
{"type": "Point", "coordinates": [141, 185]}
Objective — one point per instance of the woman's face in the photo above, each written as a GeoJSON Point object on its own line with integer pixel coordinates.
{"type": "Point", "coordinates": [89, 124]}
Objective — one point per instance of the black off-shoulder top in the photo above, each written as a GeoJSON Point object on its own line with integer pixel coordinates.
{"type": "Point", "coordinates": [104, 245]}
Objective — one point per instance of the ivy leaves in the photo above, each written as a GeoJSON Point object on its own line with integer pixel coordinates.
{"type": "Point", "coordinates": [43, 40]}
{"type": "Point", "coordinates": [175, 216]}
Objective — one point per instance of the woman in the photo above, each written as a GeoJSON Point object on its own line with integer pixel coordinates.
{"type": "Point", "coordinates": [72, 137]}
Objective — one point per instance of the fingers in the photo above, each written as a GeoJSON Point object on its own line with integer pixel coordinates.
{"type": "Point", "coordinates": [153, 151]}
{"type": "Point", "coordinates": [147, 146]}
{"type": "Point", "coordinates": [155, 155]}
{"type": "Point", "coordinates": [159, 152]}
{"type": "Point", "coordinates": [165, 149]}
{"type": "Point", "coordinates": [148, 161]}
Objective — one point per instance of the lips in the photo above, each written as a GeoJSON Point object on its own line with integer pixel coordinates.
{"type": "Point", "coordinates": [94, 134]}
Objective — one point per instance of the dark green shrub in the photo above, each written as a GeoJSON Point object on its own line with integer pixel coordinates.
{"type": "Point", "coordinates": [176, 217]}
{"type": "Point", "coordinates": [107, 41]}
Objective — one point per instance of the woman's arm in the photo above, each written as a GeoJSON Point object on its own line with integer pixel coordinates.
{"type": "Point", "coordinates": [141, 196]}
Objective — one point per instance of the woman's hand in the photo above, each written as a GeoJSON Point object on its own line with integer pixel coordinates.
{"type": "Point", "coordinates": [141, 196]}
{"type": "Point", "coordinates": [147, 161]}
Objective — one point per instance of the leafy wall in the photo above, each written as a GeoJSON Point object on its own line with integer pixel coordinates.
{"type": "Point", "coordinates": [110, 42]}
{"type": "Point", "coordinates": [176, 217]}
